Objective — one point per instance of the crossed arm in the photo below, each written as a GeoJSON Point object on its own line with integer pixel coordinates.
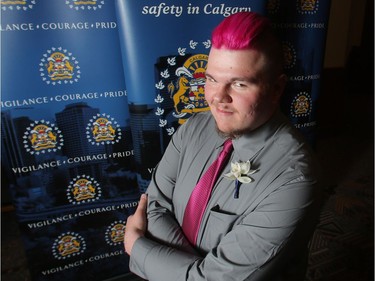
{"type": "Point", "coordinates": [245, 253]}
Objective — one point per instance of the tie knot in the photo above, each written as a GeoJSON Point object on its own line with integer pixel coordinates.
{"type": "Point", "coordinates": [228, 146]}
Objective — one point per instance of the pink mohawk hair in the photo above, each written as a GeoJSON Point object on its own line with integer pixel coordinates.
{"type": "Point", "coordinates": [239, 31]}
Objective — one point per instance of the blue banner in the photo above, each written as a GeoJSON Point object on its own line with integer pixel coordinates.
{"type": "Point", "coordinates": [66, 140]}
{"type": "Point", "coordinates": [302, 26]}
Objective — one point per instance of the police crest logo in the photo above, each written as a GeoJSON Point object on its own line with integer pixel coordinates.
{"type": "Point", "coordinates": [103, 129]}
{"type": "Point", "coordinates": [273, 6]}
{"type": "Point", "coordinates": [85, 4]}
{"type": "Point", "coordinates": [83, 189]}
{"type": "Point", "coordinates": [58, 66]}
{"type": "Point", "coordinates": [68, 245]}
{"type": "Point", "coordinates": [307, 6]}
{"type": "Point", "coordinates": [301, 105]}
{"type": "Point", "coordinates": [188, 91]}
{"type": "Point", "coordinates": [41, 137]}
{"type": "Point", "coordinates": [181, 86]}
{"type": "Point", "coordinates": [17, 5]}
{"type": "Point", "coordinates": [115, 233]}
{"type": "Point", "coordinates": [290, 56]}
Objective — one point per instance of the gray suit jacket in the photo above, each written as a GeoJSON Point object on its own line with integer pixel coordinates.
{"type": "Point", "coordinates": [262, 235]}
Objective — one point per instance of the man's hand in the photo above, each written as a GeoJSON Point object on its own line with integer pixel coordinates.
{"type": "Point", "coordinates": [136, 225]}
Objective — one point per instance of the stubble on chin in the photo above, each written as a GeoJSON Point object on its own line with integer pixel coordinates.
{"type": "Point", "coordinates": [231, 135]}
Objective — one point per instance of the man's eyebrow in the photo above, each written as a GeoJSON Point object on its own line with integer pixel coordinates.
{"type": "Point", "coordinates": [239, 78]}
{"type": "Point", "coordinates": [207, 75]}
{"type": "Point", "coordinates": [244, 79]}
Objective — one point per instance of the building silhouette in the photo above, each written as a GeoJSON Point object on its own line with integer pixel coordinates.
{"type": "Point", "coordinates": [73, 121]}
{"type": "Point", "coordinates": [147, 141]}
{"type": "Point", "coordinates": [12, 131]}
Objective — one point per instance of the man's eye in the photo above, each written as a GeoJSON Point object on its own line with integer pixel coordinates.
{"type": "Point", "coordinates": [238, 84]}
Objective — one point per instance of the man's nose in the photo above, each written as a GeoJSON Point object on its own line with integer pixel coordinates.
{"type": "Point", "coordinates": [222, 94]}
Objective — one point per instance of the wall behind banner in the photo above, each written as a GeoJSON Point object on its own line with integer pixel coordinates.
{"type": "Point", "coordinates": [79, 146]}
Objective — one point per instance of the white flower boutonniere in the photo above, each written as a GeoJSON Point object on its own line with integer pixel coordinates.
{"type": "Point", "coordinates": [240, 172]}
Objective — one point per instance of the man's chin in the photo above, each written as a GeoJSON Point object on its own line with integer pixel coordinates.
{"type": "Point", "coordinates": [232, 134]}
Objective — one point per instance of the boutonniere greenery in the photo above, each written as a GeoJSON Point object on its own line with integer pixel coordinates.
{"type": "Point", "coordinates": [240, 172]}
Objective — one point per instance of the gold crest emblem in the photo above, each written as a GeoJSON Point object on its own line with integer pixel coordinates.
{"type": "Point", "coordinates": [273, 6]}
{"type": "Point", "coordinates": [188, 92]}
{"type": "Point", "coordinates": [83, 189]}
{"type": "Point", "coordinates": [289, 55]}
{"type": "Point", "coordinates": [85, 4]}
{"type": "Point", "coordinates": [59, 67]}
{"type": "Point", "coordinates": [17, 4]}
{"type": "Point", "coordinates": [103, 130]}
{"type": "Point", "coordinates": [308, 6]}
{"type": "Point", "coordinates": [180, 86]}
{"type": "Point", "coordinates": [115, 233]}
{"type": "Point", "coordinates": [42, 137]}
{"type": "Point", "coordinates": [118, 233]}
{"type": "Point", "coordinates": [67, 245]}
{"type": "Point", "coordinates": [9, 2]}
{"type": "Point", "coordinates": [301, 105]}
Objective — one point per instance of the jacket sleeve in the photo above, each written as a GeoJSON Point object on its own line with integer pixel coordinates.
{"type": "Point", "coordinates": [163, 227]}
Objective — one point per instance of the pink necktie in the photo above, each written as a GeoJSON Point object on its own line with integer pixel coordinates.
{"type": "Point", "coordinates": [201, 193]}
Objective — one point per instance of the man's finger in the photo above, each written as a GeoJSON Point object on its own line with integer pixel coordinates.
{"type": "Point", "coordinates": [142, 205]}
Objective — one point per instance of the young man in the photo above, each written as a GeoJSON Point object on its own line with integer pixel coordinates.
{"type": "Point", "coordinates": [256, 230]}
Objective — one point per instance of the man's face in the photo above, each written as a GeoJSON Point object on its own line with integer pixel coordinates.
{"type": "Point", "coordinates": [238, 92]}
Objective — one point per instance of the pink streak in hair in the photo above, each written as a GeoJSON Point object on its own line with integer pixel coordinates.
{"type": "Point", "coordinates": [239, 31]}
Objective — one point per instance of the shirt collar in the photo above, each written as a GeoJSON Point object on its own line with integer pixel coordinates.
{"type": "Point", "coordinates": [248, 145]}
